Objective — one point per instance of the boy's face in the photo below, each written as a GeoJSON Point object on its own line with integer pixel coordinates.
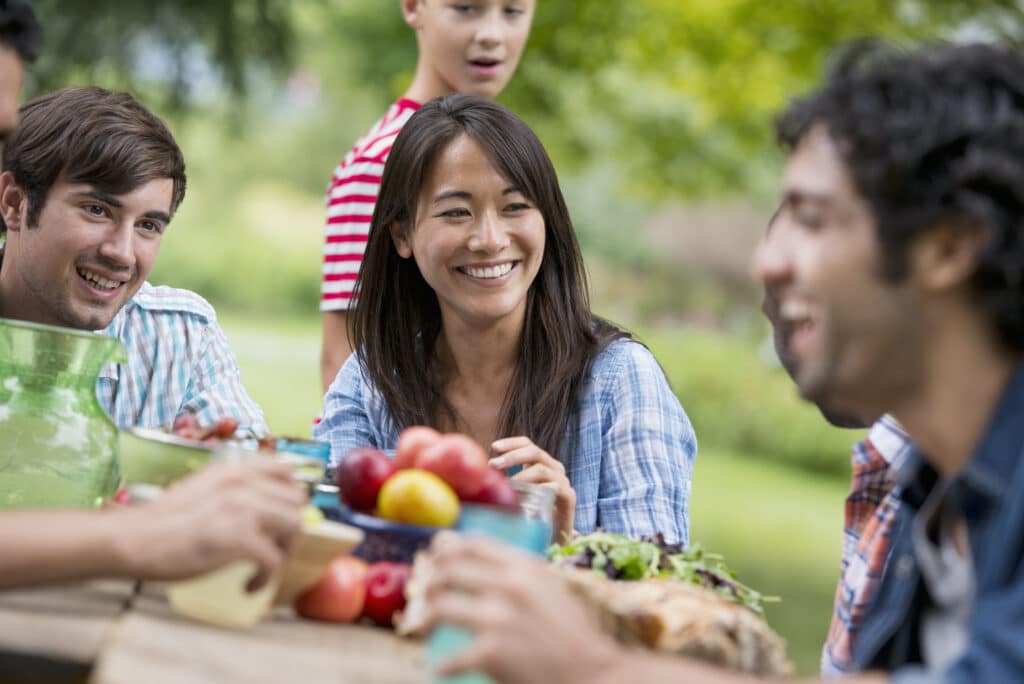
{"type": "Point", "coordinates": [852, 340]}
{"type": "Point", "coordinates": [470, 46]}
{"type": "Point", "coordinates": [88, 253]}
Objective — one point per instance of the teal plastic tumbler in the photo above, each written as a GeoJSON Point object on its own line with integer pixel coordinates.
{"type": "Point", "coordinates": [530, 531]}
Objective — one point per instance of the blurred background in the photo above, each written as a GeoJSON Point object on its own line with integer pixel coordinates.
{"type": "Point", "coordinates": [658, 116]}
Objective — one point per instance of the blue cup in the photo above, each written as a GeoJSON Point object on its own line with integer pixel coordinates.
{"type": "Point", "coordinates": [512, 528]}
{"type": "Point", "coordinates": [310, 447]}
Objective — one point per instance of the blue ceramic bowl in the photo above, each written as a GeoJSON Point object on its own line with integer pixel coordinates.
{"type": "Point", "coordinates": [384, 540]}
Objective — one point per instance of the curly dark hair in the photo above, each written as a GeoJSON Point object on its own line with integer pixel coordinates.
{"type": "Point", "coordinates": [933, 134]}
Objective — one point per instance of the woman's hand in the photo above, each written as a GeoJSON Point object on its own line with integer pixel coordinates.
{"type": "Point", "coordinates": [539, 467]}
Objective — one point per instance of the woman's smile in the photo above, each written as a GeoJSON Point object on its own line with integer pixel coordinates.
{"type": "Point", "coordinates": [489, 274]}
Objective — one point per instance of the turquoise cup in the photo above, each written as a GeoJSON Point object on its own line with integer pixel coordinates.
{"type": "Point", "coordinates": [529, 531]}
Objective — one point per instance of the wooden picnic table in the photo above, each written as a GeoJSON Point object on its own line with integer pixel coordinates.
{"type": "Point", "coordinates": [121, 633]}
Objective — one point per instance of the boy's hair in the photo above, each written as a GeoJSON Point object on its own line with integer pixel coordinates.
{"type": "Point", "coordinates": [90, 135]}
{"type": "Point", "coordinates": [933, 135]}
{"type": "Point", "coordinates": [397, 320]}
{"type": "Point", "coordinates": [19, 29]}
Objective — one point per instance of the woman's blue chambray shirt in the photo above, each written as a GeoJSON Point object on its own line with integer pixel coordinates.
{"type": "Point", "coordinates": [628, 448]}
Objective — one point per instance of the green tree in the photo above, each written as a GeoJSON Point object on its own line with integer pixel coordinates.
{"type": "Point", "coordinates": [161, 46]}
{"type": "Point", "coordinates": [680, 94]}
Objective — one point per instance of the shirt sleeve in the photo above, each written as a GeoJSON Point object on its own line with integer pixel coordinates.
{"type": "Point", "coordinates": [649, 451]}
{"type": "Point", "coordinates": [215, 389]}
{"type": "Point", "coordinates": [346, 422]}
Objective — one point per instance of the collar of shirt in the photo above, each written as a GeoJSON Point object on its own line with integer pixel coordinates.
{"type": "Point", "coordinates": [984, 479]}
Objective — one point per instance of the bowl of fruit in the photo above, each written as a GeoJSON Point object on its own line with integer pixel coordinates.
{"type": "Point", "coordinates": [156, 457]}
{"type": "Point", "coordinates": [400, 503]}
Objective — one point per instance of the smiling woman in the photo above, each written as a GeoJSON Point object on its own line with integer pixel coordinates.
{"type": "Point", "coordinates": [472, 315]}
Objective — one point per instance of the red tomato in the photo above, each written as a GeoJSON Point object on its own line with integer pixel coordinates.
{"type": "Point", "coordinates": [459, 461]}
{"type": "Point", "coordinates": [385, 591]}
{"type": "Point", "coordinates": [225, 427]}
{"type": "Point", "coordinates": [497, 491]}
{"type": "Point", "coordinates": [411, 444]}
{"type": "Point", "coordinates": [339, 595]}
{"type": "Point", "coordinates": [360, 475]}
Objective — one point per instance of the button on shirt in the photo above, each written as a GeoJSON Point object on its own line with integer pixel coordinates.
{"type": "Point", "coordinates": [178, 361]}
{"type": "Point", "coordinates": [989, 495]}
{"type": "Point", "coordinates": [628, 448]}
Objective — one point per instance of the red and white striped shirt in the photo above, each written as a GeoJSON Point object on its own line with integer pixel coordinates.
{"type": "Point", "coordinates": [351, 196]}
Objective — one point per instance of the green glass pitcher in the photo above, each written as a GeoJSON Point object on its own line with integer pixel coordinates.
{"type": "Point", "coordinates": [57, 445]}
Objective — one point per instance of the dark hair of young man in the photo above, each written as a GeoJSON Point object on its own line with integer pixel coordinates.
{"type": "Point", "coordinates": [19, 29]}
{"type": "Point", "coordinates": [933, 136]}
{"type": "Point", "coordinates": [397, 319]}
{"type": "Point", "coordinates": [95, 136]}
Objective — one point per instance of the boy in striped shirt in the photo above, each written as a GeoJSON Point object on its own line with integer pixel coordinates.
{"type": "Point", "coordinates": [472, 46]}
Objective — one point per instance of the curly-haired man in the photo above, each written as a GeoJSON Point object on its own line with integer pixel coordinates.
{"type": "Point", "coordinates": [898, 260]}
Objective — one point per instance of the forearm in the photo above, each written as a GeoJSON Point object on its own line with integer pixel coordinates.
{"type": "Point", "coordinates": [645, 666]}
{"type": "Point", "coordinates": [335, 348]}
{"type": "Point", "coordinates": [42, 547]}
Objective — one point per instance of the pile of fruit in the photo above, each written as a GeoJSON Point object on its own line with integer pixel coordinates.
{"type": "Point", "coordinates": [431, 475]}
{"type": "Point", "coordinates": [426, 483]}
{"type": "Point", "coordinates": [351, 589]}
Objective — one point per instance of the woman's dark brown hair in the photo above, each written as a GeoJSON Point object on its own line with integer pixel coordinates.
{"type": "Point", "coordinates": [397, 320]}
{"type": "Point", "coordinates": [90, 135]}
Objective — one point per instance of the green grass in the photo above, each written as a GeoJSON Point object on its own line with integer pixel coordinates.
{"type": "Point", "coordinates": [778, 526]}
{"type": "Point", "coordinates": [780, 529]}
{"type": "Point", "coordinates": [280, 362]}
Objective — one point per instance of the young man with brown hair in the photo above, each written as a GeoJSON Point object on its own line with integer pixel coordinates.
{"type": "Point", "coordinates": [227, 511]}
{"type": "Point", "coordinates": [90, 182]}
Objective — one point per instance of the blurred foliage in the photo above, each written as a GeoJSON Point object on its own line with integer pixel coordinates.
{"type": "Point", "coordinates": [681, 92]}
{"type": "Point", "coordinates": [739, 399]}
{"type": "Point", "coordinates": [164, 46]}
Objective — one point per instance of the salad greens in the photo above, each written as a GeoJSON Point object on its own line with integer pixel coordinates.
{"type": "Point", "coordinates": [622, 558]}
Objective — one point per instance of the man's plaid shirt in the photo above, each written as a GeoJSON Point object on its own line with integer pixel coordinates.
{"type": "Point", "coordinates": [870, 510]}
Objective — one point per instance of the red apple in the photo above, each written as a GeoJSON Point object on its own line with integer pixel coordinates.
{"type": "Point", "coordinates": [497, 491]}
{"type": "Point", "coordinates": [411, 444]}
{"type": "Point", "coordinates": [340, 593]}
{"type": "Point", "coordinates": [458, 460]}
{"type": "Point", "coordinates": [385, 591]}
{"type": "Point", "coordinates": [360, 476]}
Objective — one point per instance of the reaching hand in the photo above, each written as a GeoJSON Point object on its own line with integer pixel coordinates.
{"type": "Point", "coordinates": [539, 467]}
{"type": "Point", "coordinates": [226, 512]}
